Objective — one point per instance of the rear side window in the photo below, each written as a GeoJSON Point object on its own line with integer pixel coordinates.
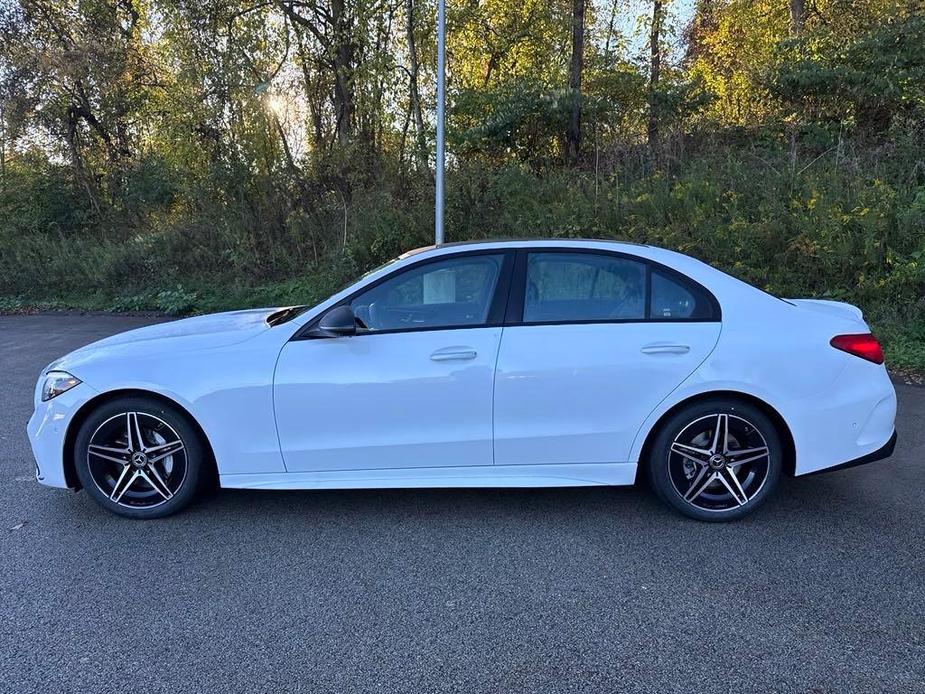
{"type": "Point", "coordinates": [568, 287]}
{"type": "Point", "coordinates": [583, 287]}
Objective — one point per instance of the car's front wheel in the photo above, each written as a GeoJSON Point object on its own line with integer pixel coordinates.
{"type": "Point", "coordinates": [139, 457]}
{"type": "Point", "coordinates": [716, 460]}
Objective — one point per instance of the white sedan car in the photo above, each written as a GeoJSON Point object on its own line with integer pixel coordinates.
{"type": "Point", "coordinates": [497, 364]}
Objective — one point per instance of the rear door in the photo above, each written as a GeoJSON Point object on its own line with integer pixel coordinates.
{"type": "Point", "coordinates": [593, 341]}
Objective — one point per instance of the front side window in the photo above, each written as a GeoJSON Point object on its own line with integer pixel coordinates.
{"type": "Point", "coordinates": [583, 287]}
{"type": "Point", "coordinates": [448, 293]}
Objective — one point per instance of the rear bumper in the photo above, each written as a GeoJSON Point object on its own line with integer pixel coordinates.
{"type": "Point", "coordinates": [884, 451]}
{"type": "Point", "coordinates": [853, 418]}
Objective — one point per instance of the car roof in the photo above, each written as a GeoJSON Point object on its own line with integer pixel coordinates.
{"type": "Point", "coordinates": [522, 242]}
{"type": "Point", "coordinates": [726, 289]}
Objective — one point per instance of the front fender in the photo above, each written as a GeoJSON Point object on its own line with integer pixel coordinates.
{"type": "Point", "coordinates": [228, 392]}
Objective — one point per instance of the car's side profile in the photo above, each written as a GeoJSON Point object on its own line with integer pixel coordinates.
{"type": "Point", "coordinates": [528, 363]}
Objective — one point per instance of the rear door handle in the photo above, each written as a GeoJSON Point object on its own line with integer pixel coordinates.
{"type": "Point", "coordinates": [454, 354]}
{"type": "Point", "coordinates": [665, 348]}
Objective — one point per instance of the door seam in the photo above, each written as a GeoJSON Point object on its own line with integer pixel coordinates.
{"type": "Point", "coordinates": [494, 379]}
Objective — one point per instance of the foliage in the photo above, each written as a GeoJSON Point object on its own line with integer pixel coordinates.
{"type": "Point", "coordinates": [864, 82]}
{"type": "Point", "coordinates": [732, 55]}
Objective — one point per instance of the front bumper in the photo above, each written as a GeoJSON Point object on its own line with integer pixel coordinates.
{"type": "Point", "coordinates": [47, 430]}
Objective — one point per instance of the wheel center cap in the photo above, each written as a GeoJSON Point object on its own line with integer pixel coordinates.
{"type": "Point", "coordinates": [718, 461]}
{"type": "Point", "coordinates": [139, 459]}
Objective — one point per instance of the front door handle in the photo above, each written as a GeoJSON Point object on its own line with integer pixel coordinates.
{"type": "Point", "coordinates": [454, 354]}
{"type": "Point", "coordinates": [665, 348]}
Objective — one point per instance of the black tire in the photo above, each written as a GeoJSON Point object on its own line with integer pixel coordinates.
{"type": "Point", "coordinates": [698, 483]}
{"type": "Point", "coordinates": [110, 470]}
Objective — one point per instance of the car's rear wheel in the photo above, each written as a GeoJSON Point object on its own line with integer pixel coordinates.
{"type": "Point", "coordinates": [139, 457]}
{"type": "Point", "coordinates": [716, 460]}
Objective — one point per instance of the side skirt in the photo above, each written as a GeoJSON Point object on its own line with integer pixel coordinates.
{"type": "Point", "coordinates": [578, 475]}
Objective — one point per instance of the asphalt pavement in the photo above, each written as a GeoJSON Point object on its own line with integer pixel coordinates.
{"type": "Point", "coordinates": [578, 590]}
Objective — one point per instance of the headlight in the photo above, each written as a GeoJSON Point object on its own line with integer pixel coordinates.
{"type": "Point", "coordinates": [57, 382]}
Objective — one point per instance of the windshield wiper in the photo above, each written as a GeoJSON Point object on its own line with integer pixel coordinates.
{"type": "Point", "coordinates": [284, 315]}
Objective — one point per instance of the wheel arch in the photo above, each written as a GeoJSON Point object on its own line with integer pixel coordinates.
{"type": "Point", "coordinates": [70, 474]}
{"type": "Point", "coordinates": [779, 422]}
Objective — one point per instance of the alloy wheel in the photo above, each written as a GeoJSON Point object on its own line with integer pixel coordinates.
{"type": "Point", "coordinates": [719, 462]}
{"type": "Point", "coordinates": [137, 460]}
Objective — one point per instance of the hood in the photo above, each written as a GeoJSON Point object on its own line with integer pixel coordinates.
{"type": "Point", "coordinates": [196, 333]}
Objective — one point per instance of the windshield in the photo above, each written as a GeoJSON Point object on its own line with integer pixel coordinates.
{"type": "Point", "coordinates": [374, 270]}
{"type": "Point", "coordinates": [284, 315]}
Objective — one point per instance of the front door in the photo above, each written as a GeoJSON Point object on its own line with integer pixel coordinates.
{"type": "Point", "coordinates": [414, 387]}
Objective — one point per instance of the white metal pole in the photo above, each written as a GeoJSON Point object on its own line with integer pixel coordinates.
{"type": "Point", "coordinates": [441, 103]}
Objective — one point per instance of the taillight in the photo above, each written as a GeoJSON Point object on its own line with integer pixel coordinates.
{"type": "Point", "coordinates": [864, 346]}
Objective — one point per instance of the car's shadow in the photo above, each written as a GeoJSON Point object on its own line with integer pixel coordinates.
{"type": "Point", "coordinates": [813, 499]}
{"type": "Point", "coordinates": [840, 499]}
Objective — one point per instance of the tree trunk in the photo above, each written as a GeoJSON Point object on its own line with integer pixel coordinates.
{"type": "Point", "coordinates": [77, 158]}
{"type": "Point", "coordinates": [655, 65]}
{"type": "Point", "coordinates": [797, 16]}
{"type": "Point", "coordinates": [415, 94]}
{"type": "Point", "coordinates": [613, 18]}
{"type": "Point", "coordinates": [573, 132]}
{"type": "Point", "coordinates": [342, 57]}
{"type": "Point", "coordinates": [313, 91]}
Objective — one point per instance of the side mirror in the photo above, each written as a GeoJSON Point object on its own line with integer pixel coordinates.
{"type": "Point", "coordinates": [338, 322]}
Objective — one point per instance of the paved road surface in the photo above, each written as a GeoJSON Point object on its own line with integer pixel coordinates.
{"type": "Point", "coordinates": [583, 590]}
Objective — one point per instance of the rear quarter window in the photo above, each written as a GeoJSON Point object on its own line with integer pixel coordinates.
{"type": "Point", "coordinates": [674, 298]}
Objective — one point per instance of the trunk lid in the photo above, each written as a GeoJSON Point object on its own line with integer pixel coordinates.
{"type": "Point", "coordinates": [836, 309]}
